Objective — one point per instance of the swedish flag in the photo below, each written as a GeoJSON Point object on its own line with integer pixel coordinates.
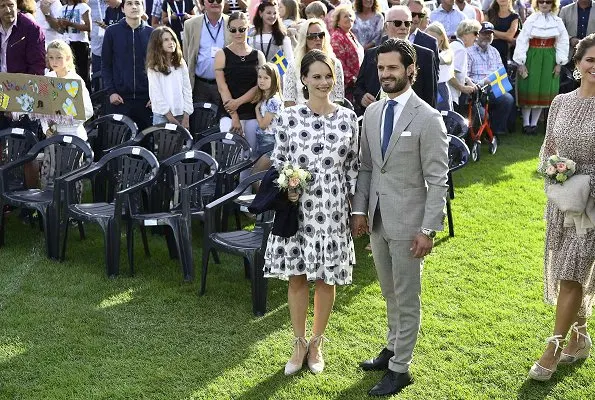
{"type": "Point", "coordinates": [281, 62]}
{"type": "Point", "coordinates": [499, 82]}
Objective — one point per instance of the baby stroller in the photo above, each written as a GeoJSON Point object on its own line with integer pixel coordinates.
{"type": "Point", "coordinates": [479, 123]}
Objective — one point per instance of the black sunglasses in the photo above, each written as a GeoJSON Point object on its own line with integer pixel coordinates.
{"type": "Point", "coordinates": [213, 1]}
{"type": "Point", "coordinates": [316, 35]}
{"type": "Point", "coordinates": [544, 1]}
{"type": "Point", "coordinates": [421, 15]}
{"type": "Point", "coordinates": [398, 23]}
{"type": "Point", "coordinates": [241, 29]}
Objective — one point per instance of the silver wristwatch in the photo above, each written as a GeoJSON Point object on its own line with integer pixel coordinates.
{"type": "Point", "coordinates": [428, 232]}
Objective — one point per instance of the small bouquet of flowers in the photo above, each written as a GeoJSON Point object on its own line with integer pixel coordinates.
{"type": "Point", "coordinates": [559, 169]}
{"type": "Point", "coordinates": [293, 178]}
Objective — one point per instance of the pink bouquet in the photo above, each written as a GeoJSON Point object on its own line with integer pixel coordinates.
{"type": "Point", "coordinates": [559, 169]}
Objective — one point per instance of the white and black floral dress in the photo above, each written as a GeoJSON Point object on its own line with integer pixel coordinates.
{"type": "Point", "coordinates": [327, 146]}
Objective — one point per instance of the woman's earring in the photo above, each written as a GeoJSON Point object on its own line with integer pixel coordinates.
{"type": "Point", "coordinates": [305, 88]}
{"type": "Point", "coordinates": [576, 74]}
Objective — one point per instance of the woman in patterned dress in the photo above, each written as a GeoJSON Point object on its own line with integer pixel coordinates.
{"type": "Point", "coordinates": [346, 47]}
{"type": "Point", "coordinates": [570, 258]}
{"type": "Point", "coordinates": [369, 23]}
{"type": "Point", "coordinates": [320, 137]}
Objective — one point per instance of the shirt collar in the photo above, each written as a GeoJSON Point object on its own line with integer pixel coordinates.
{"type": "Point", "coordinates": [403, 98]}
{"type": "Point", "coordinates": [14, 23]}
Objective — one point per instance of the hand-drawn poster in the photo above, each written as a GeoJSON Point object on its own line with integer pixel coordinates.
{"type": "Point", "coordinates": [42, 96]}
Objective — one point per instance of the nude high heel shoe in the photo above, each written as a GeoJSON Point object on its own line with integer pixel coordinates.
{"type": "Point", "coordinates": [315, 359]}
{"type": "Point", "coordinates": [581, 353]}
{"type": "Point", "coordinates": [300, 351]}
{"type": "Point", "coordinates": [539, 373]}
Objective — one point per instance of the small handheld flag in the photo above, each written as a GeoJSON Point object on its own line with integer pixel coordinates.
{"type": "Point", "coordinates": [499, 82]}
{"type": "Point", "coordinates": [281, 62]}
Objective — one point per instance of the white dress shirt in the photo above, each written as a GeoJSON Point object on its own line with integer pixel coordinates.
{"type": "Point", "coordinates": [401, 100]}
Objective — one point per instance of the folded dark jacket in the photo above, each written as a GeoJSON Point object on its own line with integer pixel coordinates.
{"type": "Point", "coordinates": [270, 197]}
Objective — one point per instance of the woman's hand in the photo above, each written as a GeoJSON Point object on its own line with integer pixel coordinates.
{"type": "Point", "coordinates": [467, 89]}
{"type": "Point", "coordinates": [522, 71]}
{"type": "Point", "coordinates": [557, 69]}
{"type": "Point", "coordinates": [293, 195]}
{"type": "Point", "coordinates": [231, 105]}
{"type": "Point", "coordinates": [236, 126]}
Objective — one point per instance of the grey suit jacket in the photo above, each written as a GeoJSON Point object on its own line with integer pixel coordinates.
{"type": "Point", "coordinates": [569, 15]}
{"type": "Point", "coordinates": [409, 185]}
{"type": "Point", "coordinates": [192, 31]}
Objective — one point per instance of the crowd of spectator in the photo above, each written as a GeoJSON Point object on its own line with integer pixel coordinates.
{"type": "Point", "coordinates": [459, 43]}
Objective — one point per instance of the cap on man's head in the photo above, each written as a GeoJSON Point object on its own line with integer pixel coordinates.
{"type": "Point", "coordinates": [486, 27]}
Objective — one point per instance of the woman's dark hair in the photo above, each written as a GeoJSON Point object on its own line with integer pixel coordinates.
{"type": "Point", "coordinates": [310, 58]}
{"type": "Point", "coordinates": [358, 5]}
{"type": "Point", "coordinates": [492, 13]}
{"type": "Point", "coordinates": [582, 47]}
{"type": "Point", "coordinates": [278, 28]}
{"type": "Point", "coordinates": [405, 49]}
{"type": "Point", "coordinates": [237, 15]}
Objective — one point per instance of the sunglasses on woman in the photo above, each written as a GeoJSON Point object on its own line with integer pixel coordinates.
{"type": "Point", "coordinates": [398, 23]}
{"type": "Point", "coordinates": [420, 15]}
{"type": "Point", "coordinates": [213, 1]}
{"type": "Point", "coordinates": [241, 29]}
{"type": "Point", "coordinates": [544, 1]}
{"type": "Point", "coordinates": [315, 35]}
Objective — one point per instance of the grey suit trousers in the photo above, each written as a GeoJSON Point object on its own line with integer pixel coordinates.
{"type": "Point", "coordinates": [399, 275]}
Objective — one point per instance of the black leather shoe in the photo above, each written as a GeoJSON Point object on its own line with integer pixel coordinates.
{"type": "Point", "coordinates": [391, 383]}
{"type": "Point", "coordinates": [380, 363]}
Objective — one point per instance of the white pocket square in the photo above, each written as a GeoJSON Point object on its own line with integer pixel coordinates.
{"type": "Point", "coordinates": [406, 133]}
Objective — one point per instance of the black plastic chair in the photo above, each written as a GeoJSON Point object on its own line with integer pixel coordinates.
{"type": "Point", "coordinates": [456, 124]}
{"type": "Point", "coordinates": [14, 144]}
{"type": "Point", "coordinates": [99, 100]}
{"type": "Point", "coordinates": [68, 155]}
{"type": "Point", "coordinates": [458, 157]}
{"type": "Point", "coordinates": [134, 168]}
{"type": "Point", "coordinates": [203, 120]}
{"type": "Point", "coordinates": [106, 133]}
{"type": "Point", "coordinates": [191, 170]}
{"type": "Point", "coordinates": [248, 244]}
{"type": "Point", "coordinates": [233, 154]}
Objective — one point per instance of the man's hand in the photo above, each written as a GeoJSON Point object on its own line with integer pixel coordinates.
{"type": "Point", "coordinates": [421, 246]}
{"type": "Point", "coordinates": [367, 99]}
{"type": "Point", "coordinates": [231, 105]}
{"type": "Point", "coordinates": [574, 41]}
{"type": "Point", "coordinates": [186, 121]}
{"type": "Point", "coordinates": [359, 225]}
{"type": "Point", "coordinates": [115, 99]}
{"type": "Point", "coordinates": [467, 89]}
{"type": "Point", "coordinates": [557, 69]}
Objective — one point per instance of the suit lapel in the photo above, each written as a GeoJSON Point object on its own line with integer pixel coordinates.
{"type": "Point", "coordinates": [407, 115]}
{"type": "Point", "coordinates": [375, 136]}
{"type": "Point", "coordinates": [591, 22]}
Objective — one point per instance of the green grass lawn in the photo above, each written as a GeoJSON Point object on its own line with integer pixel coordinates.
{"type": "Point", "coordinates": [69, 332]}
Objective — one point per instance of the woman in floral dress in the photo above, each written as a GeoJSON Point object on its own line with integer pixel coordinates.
{"type": "Point", "coordinates": [569, 257]}
{"type": "Point", "coordinates": [320, 137]}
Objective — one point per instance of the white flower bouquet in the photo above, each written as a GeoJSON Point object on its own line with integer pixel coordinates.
{"type": "Point", "coordinates": [293, 178]}
{"type": "Point", "coordinates": [559, 169]}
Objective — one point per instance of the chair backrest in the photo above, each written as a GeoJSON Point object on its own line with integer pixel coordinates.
{"type": "Point", "coordinates": [99, 101]}
{"type": "Point", "coordinates": [63, 154]}
{"type": "Point", "coordinates": [227, 148]}
{"type": "Point", "coordinates": [14, 143]}
{"type": "Point", "coordinates": [456, 124]}
{"type": "Point", "coordinates": [130, 165]}
{"type": "Point", "coordinates": [164, 140]}
{"type": "Point", "coordinates": [458, 153]}
{"type": "Point", "coordinates": [186, 169]}
{"type": "Point", "coordinates": [203, 117]}
{"type": "Point", "coordinates": [109, 131]}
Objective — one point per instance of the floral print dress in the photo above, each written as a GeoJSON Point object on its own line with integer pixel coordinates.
{"type": "Point", "coordinates": [327, 146]}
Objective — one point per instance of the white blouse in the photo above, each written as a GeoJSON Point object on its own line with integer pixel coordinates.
{"type": "Point", "coordinates": [292, 85]}
{"type": "Point", "coordinates": [165, 90]}
{"type": "Point", "coordinates": [539, 25]}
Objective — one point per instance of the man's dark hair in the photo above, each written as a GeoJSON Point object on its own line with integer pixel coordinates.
{"type": "Point", "coordinates": [405, 49]}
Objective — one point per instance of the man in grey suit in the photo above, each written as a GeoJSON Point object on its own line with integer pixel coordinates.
{"type": "Point", "coordinates": [401, 189]}
{"type": "Point", "coordinates": [579, 20]}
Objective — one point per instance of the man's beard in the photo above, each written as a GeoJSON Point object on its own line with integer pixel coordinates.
{"type": "Point", "coordinates": [394, 86]}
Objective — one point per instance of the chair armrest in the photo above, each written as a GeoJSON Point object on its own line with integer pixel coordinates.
{"type": "Point", "coordinates": [136, 187]}
{"type": "Point", "coordinates": [237, 168]}
{"type": "Point", "coordinates": [228, 197]}
{"type": "Point", "coordinates": [79, 173]}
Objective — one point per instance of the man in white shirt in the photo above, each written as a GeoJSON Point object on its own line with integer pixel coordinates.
{"type": "Point", "coordinates": [449, 16]}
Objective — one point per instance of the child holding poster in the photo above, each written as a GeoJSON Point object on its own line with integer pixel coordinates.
{"type": "Point", "coordinates": [60, 60]}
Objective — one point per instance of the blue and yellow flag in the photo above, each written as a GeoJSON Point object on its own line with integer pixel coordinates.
{"type": "Point", "coordinates": [499, 82]}
{"type": "Point", "coordinates": [281, 62]}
